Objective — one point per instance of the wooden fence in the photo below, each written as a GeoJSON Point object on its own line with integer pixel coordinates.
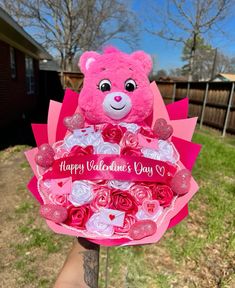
{"type": "Point", "coordinates": [212, 102]}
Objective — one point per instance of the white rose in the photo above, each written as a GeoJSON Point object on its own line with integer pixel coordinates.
{"type": "Point", "coordinates": [107, 148]}
{"type": "Point", "coordinates": [81, 193]}
{"type": "Point", "coordinates": [122, 185]}
{"type": "Point", "coordinates": [132, 127]}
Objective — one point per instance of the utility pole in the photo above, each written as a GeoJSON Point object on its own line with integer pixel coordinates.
{"type": "Point", "coordinates": [214, 64]}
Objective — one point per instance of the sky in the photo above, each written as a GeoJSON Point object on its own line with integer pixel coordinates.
{"type": "Point", "coordinates": [167, 54]}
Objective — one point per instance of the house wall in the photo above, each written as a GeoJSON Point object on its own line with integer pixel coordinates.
{"type": "Point", "coordinates": [14, 100]}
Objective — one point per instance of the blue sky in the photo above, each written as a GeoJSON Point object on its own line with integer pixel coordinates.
{"type": "Point", "coordinates": [168, 53]}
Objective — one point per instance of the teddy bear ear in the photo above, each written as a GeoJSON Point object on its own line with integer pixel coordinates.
{"type": "Point", "coordinates": [86, 59]}
{"type": "Point", "coordinates": [144, 60]}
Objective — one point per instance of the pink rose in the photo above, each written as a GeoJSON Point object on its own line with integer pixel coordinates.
{"type": "Point", "coordinates": [80, 151]}
{"type": "Point", "coordinates": [113, 133]}
{"type": "Point", "coordinates": [128, 222]}
{"type": "Point", "coordinates": [129, 139]}
{"type": "Point", "coordinates": [78, 216]}
{"type": "Point", "coordinates": [128, 151]}
{"type": "Point", "coordinates": [163, 194]}
{"type": "Point", "coordinates": [59, 199]}
{"type": "Point", "coordinates": [101, 197]}
{"type": "Point", "coordinates": [123, 201]}
{"type": "Point", "coordinates": [140, 192]}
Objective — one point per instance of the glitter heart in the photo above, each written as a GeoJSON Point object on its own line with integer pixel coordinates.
{"type": "Point", "coordinates": [162, 130]}
{"type": "Point", "coordinates": [180, 183]}
{"type": "Point", "coordinates": [45, 156]}
{"type": "Point", "coordinates": [142, 229]}
{"type": "Point", "coordinates": [74, 122]}
{"type": "Point", "coordinates": [55, 213]}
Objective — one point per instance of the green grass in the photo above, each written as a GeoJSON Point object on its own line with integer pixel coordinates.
{"type": "Point", "coordinates": [211, 221]}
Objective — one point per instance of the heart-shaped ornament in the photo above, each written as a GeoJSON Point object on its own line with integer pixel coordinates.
{"type": "Point", "coordinates": [74, 122]}
{"type": "Point", "coordinates": [180, 183]}
{"type": "Point", "coordinates": [142, 229]}
{"type": "Point", "coordinates": [55, 213]}
{"type": "Point", "coordinates": [45, 156]}
{"type": "Point", "coordinates": [162, 130]}
{"type": "Point", "coordinates": [151, 207]}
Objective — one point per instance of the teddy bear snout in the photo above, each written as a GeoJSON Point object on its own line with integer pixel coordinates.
{"type": "Point", "coordinates": [118, 98]}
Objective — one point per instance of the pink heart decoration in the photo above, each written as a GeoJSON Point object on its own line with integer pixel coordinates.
{"type": "Point", "coordinates": [74, 122]}
{"type": "Point", "coordinates": [55, 213]}
{"type": "Point", "coordinates": [45, 156]}
{"type": "Point", "coordinates": [151, 207]}
{"type": "Point", "coordinates": [180, 183]}
{"type": "Point", "coordinates": [142, 229]}
{"type": "Point", "coordinates": [162, 130]}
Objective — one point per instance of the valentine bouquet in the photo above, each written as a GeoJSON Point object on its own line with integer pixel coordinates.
{"type": "Point", "coordinates": [113, 163]}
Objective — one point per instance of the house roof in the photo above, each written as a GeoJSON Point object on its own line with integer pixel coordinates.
{"type": "Point", "coordinates": [224, 77]}
{"type": "Point", "coordinates": [13, 34]}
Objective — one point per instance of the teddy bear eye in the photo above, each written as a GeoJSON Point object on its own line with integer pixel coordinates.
{"type": "Point", "coordinates": [105, 85]}
{"type": "Point", "coordinates": [130, 85]}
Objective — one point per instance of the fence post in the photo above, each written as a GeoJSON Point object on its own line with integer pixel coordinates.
{"type": "Point", "coordinates": [204, 105]}
{"type": "Point", "coordinates": [174, 91]}
{"type": "Point", "coordinates": [228, 110]}
{"type": "Point", "coordinates": [188, 89]}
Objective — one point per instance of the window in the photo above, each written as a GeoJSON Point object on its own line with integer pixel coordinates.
{"type": "Point", "coordinates": [30, 80]}
{"type": "Point", "coordinates": [13, 63]}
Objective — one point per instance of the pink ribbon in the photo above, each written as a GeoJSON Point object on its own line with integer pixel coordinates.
{"type": "Point", "coordinates": [111, 167]}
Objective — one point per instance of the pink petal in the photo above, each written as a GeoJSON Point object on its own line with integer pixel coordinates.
{"type": "Point", "coordinates": [188, 151]}
{"type": "Point", "coordinates": [40, 133]}
{"type": "Point", "coordinates": [178, 110]}
{"type": "Point", "coordinates": [32, 186]}
{"type": "Point", "coordinates": [52, 120]}
{"type": "Point", "coordinates": [179, 217]}
{"type": "Point", "coordinates": [69, 106]}
{"type": "Point", "coordinates": [184, 128]}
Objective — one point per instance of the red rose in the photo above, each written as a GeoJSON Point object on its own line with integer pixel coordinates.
{"type": "Point", "coordinates": [78, 216]}
{"type": "Point", "coordinates": [147, 132]}
{"type": "Point", "coordinates": [140, 193]}
{"type": "Point", "coordinates": [101, 198]}
{"type": "Point", "coordinates": [80, 151]}
{"type": "Point", "coordinates": [129, 139]}
{"type": "Point", "coordinates": [128, 222]}
{"type": "Point", "coordinates": [123, 201]}
{"type": "Point", "coordinates": [113, 133]}
{"type": "Point", "coordinates": [163, 194]}
{"type": "Point", "coordinates": [128, 151]}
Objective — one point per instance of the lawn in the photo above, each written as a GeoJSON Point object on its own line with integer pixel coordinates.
{"type": "Point", "coordinates": [199, 252]}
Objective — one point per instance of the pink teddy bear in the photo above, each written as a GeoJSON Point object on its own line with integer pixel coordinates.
{"type": "Point", "coordinates": [116, 87]}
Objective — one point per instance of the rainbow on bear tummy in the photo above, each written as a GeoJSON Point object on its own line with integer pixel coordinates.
{"type": "Point", "coordinates": [116, 86]}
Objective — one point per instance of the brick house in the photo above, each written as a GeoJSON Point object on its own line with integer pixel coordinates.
{"type": "Point", "coordinates": [19, 78]}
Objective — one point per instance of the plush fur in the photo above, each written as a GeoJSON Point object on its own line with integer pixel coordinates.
{"type": "Point", "coordinates": [117, 70]}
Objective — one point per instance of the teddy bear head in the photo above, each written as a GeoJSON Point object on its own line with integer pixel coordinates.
{"type": "Point", "coordinates": [116, 86]}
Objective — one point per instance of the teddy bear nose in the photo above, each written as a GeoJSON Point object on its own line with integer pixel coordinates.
{"type": "Point", "coordinates": [118, 98]}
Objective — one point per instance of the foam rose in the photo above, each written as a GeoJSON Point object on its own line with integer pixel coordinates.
{"type": "Point", "coordinates": [78, 216]}
{"type": "Point", "coordinates": [140, 192]}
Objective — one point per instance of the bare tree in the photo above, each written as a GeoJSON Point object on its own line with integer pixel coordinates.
{"type": "Point", "coordinates": [183, 20]}
{"type": "Point", "coordinates": [69, 27]}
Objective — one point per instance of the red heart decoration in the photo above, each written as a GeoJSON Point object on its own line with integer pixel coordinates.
{"type": "Point", "coordinates": [55, 213]}
{"type": "Point", "coordinates": [111, 217]}
{"type": "Point", "coordinates": [162, 130]}
{"type": "Point", "coordinates": [74, 122]}
{"type": "Point", "coordinates": [45, 156]}
{"type": "Point", "coordinates": [180, 183]}
{"type": "Point", "coordinates": [151, 207]}
{"type": "Point", "coordinates": [149, 140]}
{"type": "Point", "coordinates": [60, 184]}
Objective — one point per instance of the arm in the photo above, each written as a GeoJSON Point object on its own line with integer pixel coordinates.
{"type": "Point", "coordinates": [81, 267]}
